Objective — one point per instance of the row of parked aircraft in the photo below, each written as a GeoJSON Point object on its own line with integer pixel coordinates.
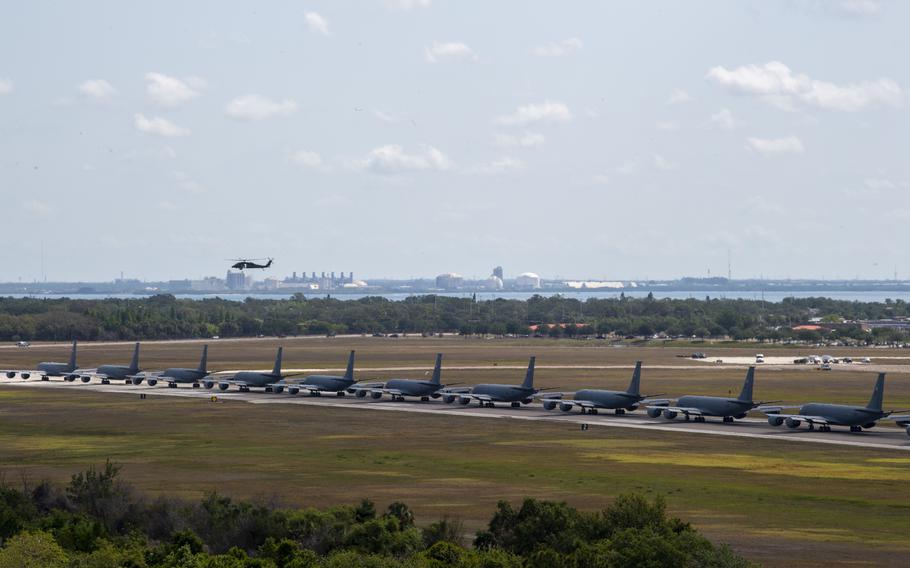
{"type": "Point", "coordinates": [591, 401]}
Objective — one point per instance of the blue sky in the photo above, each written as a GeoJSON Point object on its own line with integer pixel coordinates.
{"type": "Point", "coordinates": [406, 138]}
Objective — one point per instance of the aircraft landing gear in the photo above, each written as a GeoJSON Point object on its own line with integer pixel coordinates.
{"type": "Point", "coordinates": [244, 388]}
{"type": "Point", "coordinates": [824, 428]}
{"type": "Point", "coordinates": [45, 378]}
{"type": "Point", "coordinates": [699, 418]}
{"type": "Point", "coordinates": [195, 385]}
{"type": "Point", "coordinates": [620, 411]}
{"type": "Point", "coordinates": [516, 405]}
{"type": "Point", "coordinates": [105, 381]}
{"type": "Point", "coordinates": [339, 393]}
{"type": "Point", "coordinates": [728, 419]}
{"type": "Point", "coordinates": [172, 385]}
{"type": "Point", "coordinates": [423, 399]}
{"type": "Point", "coordinates": [856, 428]}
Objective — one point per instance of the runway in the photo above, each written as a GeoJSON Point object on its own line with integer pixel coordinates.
{"type": "Point", "coordinates": [884, 437]}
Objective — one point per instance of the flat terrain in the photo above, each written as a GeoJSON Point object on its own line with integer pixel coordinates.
{"type": "Point", "coordinates": [774, 500]}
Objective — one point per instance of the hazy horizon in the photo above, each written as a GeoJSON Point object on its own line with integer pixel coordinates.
{"type": "Point", "coordinates": [416, 137]}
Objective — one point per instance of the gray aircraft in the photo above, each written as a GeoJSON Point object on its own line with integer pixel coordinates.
{"type": "Point", "coordinates": [245, 380]}
{"type": "Point", "coordinates": [177, 375]}
{"type": "Point", "coordinates": [488, 395]}
{"type": "Point", "coordinates": [591, 400]}
{"type": "Point", "coordinates": [698, 407]}
{"type": "Point", "coordinates": [108, 372]}
{"type": "Point", "coordinates": [400, 388]}
{"type": "Point", "coordinates": [826, 415]}
{"type": "Point", "coordinates": [48, 369]}
{"type": "Point", "coordinates": [315, 385]}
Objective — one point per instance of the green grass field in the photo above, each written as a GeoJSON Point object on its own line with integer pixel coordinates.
{"type": "Point", "coordinates": [775, 502]}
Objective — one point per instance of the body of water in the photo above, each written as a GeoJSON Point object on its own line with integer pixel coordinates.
{"type": "Point", "coordinates": [774, 296]}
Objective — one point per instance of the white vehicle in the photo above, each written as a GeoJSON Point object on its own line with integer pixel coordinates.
{"type": "Point", "coordinates": [865, 360]}
{"type": "Point", "coordinates": [22, 344]}
{"type": "Point", "coordinates": [760, 358]}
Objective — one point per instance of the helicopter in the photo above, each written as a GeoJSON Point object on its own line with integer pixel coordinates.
{"type": "Point", "coordinates": [243, 263]}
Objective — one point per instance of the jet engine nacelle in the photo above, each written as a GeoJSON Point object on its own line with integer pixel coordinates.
{"type": "Point", "coordinates": [448, 398]}
{"type": "Point", "coordinates": [565, 407]}
{"type": "Point", "coordinates": [654, 412]}
{"type": "Point", "coordinates": [25, 375]}
{"type": "Point", "coordinates": [632, 408]}
{"type": "Point", "coordinates": [11, 374]}
{"type": "Point", "coordinates": [224, 386]}
{"type": "Point", "coordinates": [360, 393]}
{"type": "Point", "coordinates": [669, 414]}
{"type": "Point", "coordinates": [278, 389]}
{"type": "Point", "coordinates": [137, 380]}
{"type": "Point", "coordinates": [464, 399]}
{"type": "Point", "coordinates": [293, 390]}
{"type": "Point", "coordinates": [435, 395]}
{"type": "Point", "coordinates": [549, 404]}
{"type": "Point", "coordinates": [908, 430]}
{"type": "Point", "coordinates": [86, 378]}
{"type": "Point", "coordinates": [775, 420]}
{"type": "Point", "coordinates": [69, 378]}
{"type": "Point", "coordinates": [208, 384]}
{"type": "Point", "coordinates": [869, 425]}
{"type": "Point", "coordinates": [791, 423]}
{"type": "Point", "coordinates": [376, 395]}
{"type": "Point", "coordinates": [151, 382]}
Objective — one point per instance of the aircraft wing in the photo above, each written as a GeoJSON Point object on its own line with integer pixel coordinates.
{"type": "Point", "coordinates": [454, 390]}
{"type": "Point", "coordinates": [687, 410]}
{"type": "Point", "coordinates": [395, 392]}
{"type": "Point", "coordinates": [12, 373]}
{"type": "Point", "coordinates": [480, 397]}
{"type": "Point", "coordinates": [821, 420]}
{"type": "Point", "coordinates": [552, 395]}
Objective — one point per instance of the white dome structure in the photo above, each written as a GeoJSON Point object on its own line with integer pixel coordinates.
{"type": "Point", "coordinates": [528, 280]}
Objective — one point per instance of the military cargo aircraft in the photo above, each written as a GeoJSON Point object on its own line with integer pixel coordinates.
{"type": "Point", "coordinates": [245, 380]}
{"type": "Point", "coordinates": [177, 375]}
{"type": "Point", "coordinates": [826, 415]}
{"type": "Point", "coordinates": [315, 385]}
{"type": "Point", "coordinates": [592, 400]}
{"type": "Point", "coordinates": [400, 388]}
{"type": "Point", "coordinates": [47, 369]}
{"type": "Point", "coordinates": [107, 372]}
{"type": "Point", "coordinates": [698, 407]}
{"type": "Point", "coordinates": [487, 395]}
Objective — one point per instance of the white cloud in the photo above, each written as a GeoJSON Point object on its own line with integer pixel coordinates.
{"type": "Point", "coordinates": [526, 140]}
{"type": "Point", "coordinates": [629, 168]}
{"type": "Point", "coordinates": [776, 84]}
{"type": "Point", "coordinates": [406, 5]}
{"type": "Point", "coordinates": [664, 164]}
{"type": "Point", "coordinates": [601, 179]}
{"type": "Point", "coordinates": [451, 50]}
{"type": "Point", "coordinates": [678, 96]}
{"type": "Point", "coordinates": [159, 126]}
{"type": "Point", "coordinates": [724, 119]}
{"type": "Point", "coordinates": [307, 158]}
{"type": "Point", "coordinates": [860, 7]}
{"type": "Point", "coordinates": [257, 107]}
{"type": "Point", "coordinates": [773, 146]}
{"type": "Point", "coordinates": [35, 208]}
{"type": "Point", "coordinates": [878, 183]}
{"type": "Point", "coordinates": [6, 86]}
{"type": "Point", "coordinates": [668, 126]}
{"type": "Point", "coordinates": [558, 48]}
{"type": "Point", "coordinates": [168, 91]}
{"type": "Point", "coordinates": [186, 183]}
{"type": "Point", "coordinates": [97, 89]}
{"type": "Point", "coordinates": [502, 165]}
{"type": "Point", "coordinates": [392, 159]}
{"type": "Point", "coordinates": [547, 111]}
{"type": "Point", "coordinates": [317, 23]}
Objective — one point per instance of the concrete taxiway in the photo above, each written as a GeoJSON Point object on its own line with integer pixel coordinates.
{"type": "Point", "coordinates": [884, 437]}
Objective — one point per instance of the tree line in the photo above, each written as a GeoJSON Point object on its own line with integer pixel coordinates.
{"type": "Point", "coordinates": [99, 521]}
{"type": "Point", "coordinates": [165, 317]}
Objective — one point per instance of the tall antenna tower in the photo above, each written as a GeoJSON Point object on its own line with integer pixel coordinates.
{"type": "Point", "coordinates": [729, 267]}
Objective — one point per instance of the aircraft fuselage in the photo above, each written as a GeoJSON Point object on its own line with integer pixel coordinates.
{"type": "Point", "coordinates": [842, 414]}
{"type": "Point", "coordinates": [608, 399]}
{"type": "Point", "coordinates": [504, 393]}
{"type": "Point", "coordinates": [715, 405]}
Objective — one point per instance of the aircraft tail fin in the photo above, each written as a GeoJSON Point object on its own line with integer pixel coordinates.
{"type": "Point", "coordinates": [73, 356]}
{"type": "Point", "coordinates": [277, 369]}
{"type": "Point", "coordinates": [529, 375]}
{"type": "Point", "coordinates": [134, 364]}
{"type": "Point", "coordinates": [204, 361]}
{"type": "Point", "coordinates": [635, 385]}
{"type": "Point", "coordinates": [878, 393]}
{"type": "Point", "coordinates": [437, 370]}
{"type": "Point", "coordinates": [746, 394]}
{"type": "Point", "coordinates": [349, 372]}
{"type": "Point", "coordinates": [269, 263]}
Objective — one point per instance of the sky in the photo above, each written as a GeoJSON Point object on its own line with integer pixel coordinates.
{"type": "Point", "coordinates": [405, 138]}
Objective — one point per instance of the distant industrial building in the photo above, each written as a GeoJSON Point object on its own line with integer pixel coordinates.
{"type": "Point", "coordinates": [527, 280]}
{"type": "Point", "coordinates": [449, 281]}
{"type": "Point", "coordinates": [238, 280]}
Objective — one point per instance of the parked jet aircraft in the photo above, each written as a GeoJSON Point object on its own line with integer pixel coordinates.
{"type": "Point", "coordinates": [178, 375]}
{"type": "Point", "coordinates": [108, 372]}
{"type": "Point", "coordinates": [826, 415]}
{"type": "Point", "coordinates": [700, 406]}
{"type": "Point", "coordinates": [488, 394]}
{"type": "Point", "coordinates": [47, 369]}
{"type": "Point", "coordinates": [315, 385]}
{"type": "Point", "coordinates": [590, 400]}
{"type": "Point", "coordinates": [400, 388]}
{"type": "Point", "coordinates": [244, 380]}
